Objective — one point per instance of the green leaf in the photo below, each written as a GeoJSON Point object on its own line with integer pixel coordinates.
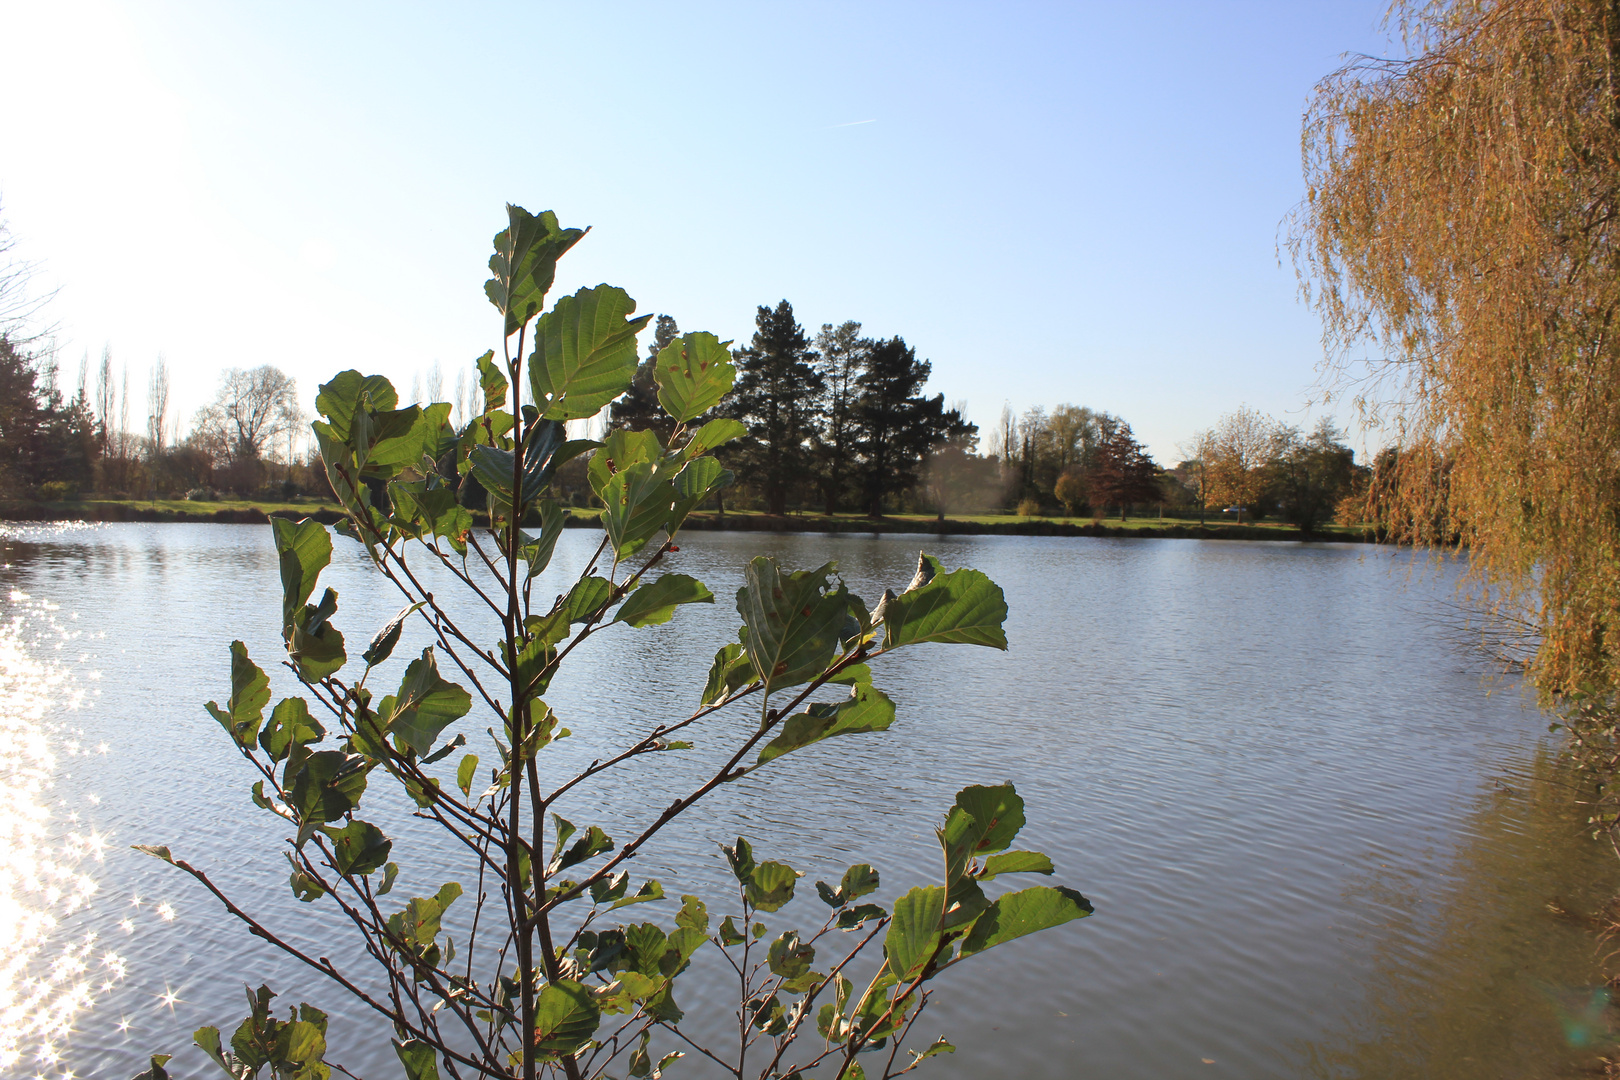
{"type": "Point", "coordinates": [655, 602]}
{"type": "Point", "coordinates": [637, 505]}
{"type": "Point", "coordinates": [729, 934]}
{"type": "Point", "coordinates": [525, 263]}
{"type": "Point", "coordinates": [622, 449]}
{"type": "Point", "coordinates": [984, 820]}
{"type": "Point", "coordinates": [157, 1071]}
{"type": "Point", "coordinates": [694, 915]}
{"type": "Point", "coordinates": [789, 957]}
{"type": "Point", "coordinates": [315, 644]}
{"type": "Point", "coordinates": [492, 381]}
{"type": "Point", "coordinates": [962, 607]}
{"type": "Point", "coordinates": [207, 1040]}
{"type": "Point", "coordinates": [419, 1059]}
{"type": "Point", "coordinates": [850, 918]}
{"type": "Point", "coordinates": [349, 391]}
{"type": "Point", "coordinates": [306, 888]}
{"type": "Point", "coordinates": [914, 933]}
{"type": "Point", "coordinates": [858, 881]}
{"type": "Point", "coordinates": [565, 1018]}
{"type": "Point", "coordinates": [300, 1046]}
{"type": "Point", "coordinates": [290, 725]}
{"type": "Point", "coordinates": [425, 705]}
{"type": "Point", "coordinates": [382, 646]}
{"type": "Point", "coordinates": [465, 773]}
{"type": "Point", "coordinates": [359, 848]}
{"type": "Point", "coordinates": [1017, 914]}
{"type": "Point", "coordinates": [693, 373]}
{"type": "Point", "coordinates": [938, 1046]}
{"type": "Point", "coordinates": [250, 693]}
{"type": "Point", "coordinates": [741, 859]}
{"type": "Point", "coordinates": [771, 885]}
{"type": "Point", "coordinates": [584, 352]}
{"type": "Point", "coordinates": [696, 482]}
{"type": "Point", "coordinates": [304, 549]}
{"type": "Point", "coordinates": [731, 669]}
{"type": "Point", "coordinates": [1016, 862]}
{"type": "Point", "coordinates": [537, 553]}
{"type": "Point", "coordinates": [325, 785]}
{"type": "Point", "coordinates": [713, 434]}
{"type": "Point", "coordinates": [157, 851]}
{"type": "Point", "coordinates": [864, 710]}
{"type": "Point", "coordinates": [791, 621]}
{"type": "Point", "coordinates": [418, 924]}
{"type": "Point", "coordinates": [650, 890]}
{"type": "Point", "coordinates": [589, 846]}
{"type": "Point", "coordinates": [390, 872]}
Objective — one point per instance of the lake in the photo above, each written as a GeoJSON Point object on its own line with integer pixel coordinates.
{"type": "Point", "coordinates": [1321, 839]}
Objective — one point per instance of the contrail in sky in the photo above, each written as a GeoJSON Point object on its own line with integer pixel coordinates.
{"type": "Point", "coordinates": [852, 123]}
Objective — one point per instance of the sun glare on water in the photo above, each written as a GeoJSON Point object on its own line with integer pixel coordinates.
{"type": "Point", "coordinates": [50, 971]}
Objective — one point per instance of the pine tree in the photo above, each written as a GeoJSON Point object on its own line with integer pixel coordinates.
{"type": "Point", "coordinates": [638, 409]}
{"type": "Point", "coordinates": [776, 393]}
{"type": "Point", "coordinates": [844, 355]}
{"type": "Point", "coordinates": [895, 426]}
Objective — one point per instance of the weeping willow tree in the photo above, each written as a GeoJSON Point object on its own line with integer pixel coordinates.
{"type": "Point", "coordinates": [1458, 238]}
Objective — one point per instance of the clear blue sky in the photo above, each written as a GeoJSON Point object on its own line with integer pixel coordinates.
{"type": "Point", "coordinates": [1053, 202]}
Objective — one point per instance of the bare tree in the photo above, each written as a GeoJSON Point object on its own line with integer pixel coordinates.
{"type": "Point", "coordinates": [434, 384]}
{"type": "Point", "coordinates": [19, 305]}
{"type": "Point", "coordinates": [106, 399]}
{"type": "Point", "coordinates": [251, 408]}
{"type": "Point", "coordinates": [157, 406]}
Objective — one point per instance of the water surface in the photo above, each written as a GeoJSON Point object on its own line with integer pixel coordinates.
{"type": "Point", "coordinates": [1320, 842]}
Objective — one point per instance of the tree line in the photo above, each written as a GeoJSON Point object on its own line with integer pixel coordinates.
{"type": "Point", "coordinates": [837, 422]}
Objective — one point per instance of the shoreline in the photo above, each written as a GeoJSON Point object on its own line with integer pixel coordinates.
{"type": "Point", "coordinates": [710, 522]}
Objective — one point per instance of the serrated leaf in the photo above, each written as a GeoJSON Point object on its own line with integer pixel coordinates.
{"type": "Point", "coordinates": [637, 505]}
{"type": "Point", "coordinates": [250, 693]}
{"type": "Point", "coordinates": [584, 352]}
{"type": "Point", "coordinates": [419, 1059]}
{"type": "Point", "coordinates": [791, 621]}
{"type": "Point", "coordinates": [525, 263]}
{"type": "Point", "coordinates": [962, 607]}
{"type": "Point", "coordinates": [771, 885]}
{"type": "Point", "coordinates": [693, 373]}
{"type": "Point", "coordinates": [382, 646]}
{"type": "Point", "coordinates": [693, 484]}
{"type": "Point", "coordinates": [359, 848]}
{"type": "Point", "coordinates": [694, 915]}
{"type": "Point", "coordinates": [303, 549]}
{"type": "Point", "coordinates": [1016, 862]}
{"type": "Point", "coordinates": [349, 391]}
{"type": "Point", "coordinates": [565, 1018]}
{"type": "Point", "coordinates": [650, 890]}
{"type": "Point", "coordinates": [425, 705]}
{"type": "Point", "coordinates": [290, 725]}
{"type": "Point", "coordinates": [914, 931]}
{"type": "Point", "coordinates": [714, 434]}
{"type": "Point", "coordinates": [985, 820]}
{"type": "Point", "coordinates": [325, 785]}
{"type": "Point", "coordinates": [622, 449]}
{"type": "Point", "coordinates": [731, 670]}
{"type": "Point", "coordinates": [1026, 912]}
{"type": "Point", "coordinates": [655, 602]}
{"type": "Point", "coordinates": [865, 710]}
{"type": "Point", "coordinates": [729, 934]}
{"type": "Point", "coordinates": [850, 918]}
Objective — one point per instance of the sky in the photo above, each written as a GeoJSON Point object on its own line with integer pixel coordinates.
{"type": "Point", "coordinates": [1076, 203]}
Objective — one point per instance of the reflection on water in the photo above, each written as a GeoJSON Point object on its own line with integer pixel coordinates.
{"type": "Point", "coordinates": [1505, 966]}
{"type": "Point", "coordinates": [50, 969]}
{"type": "Point", "coordinates": [1317, 847]}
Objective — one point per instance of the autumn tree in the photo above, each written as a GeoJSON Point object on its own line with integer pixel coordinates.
{"type": "Point", "coordinates": [1236, 454]}
{"type": "Point", "coordinates": [1460, 228]}
{"type": "Point", "coordinates": [1124, 473]}
{"type": "Point", "coordinates": [1310, 474]}
{"type": "Point", "coordinates": [775, 395]}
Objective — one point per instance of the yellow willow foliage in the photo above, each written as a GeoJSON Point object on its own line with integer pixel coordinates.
{"type": "Point", "coordinates": [1459, 227]}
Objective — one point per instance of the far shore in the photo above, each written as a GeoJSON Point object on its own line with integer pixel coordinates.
{"type": "Point", "coordinates": [245, 512]}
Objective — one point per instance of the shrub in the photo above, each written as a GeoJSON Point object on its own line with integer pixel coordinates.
{"type": "Point", "coordinates": [58, 491]}
{"type": "Point", "coordinates": [1029, 508]}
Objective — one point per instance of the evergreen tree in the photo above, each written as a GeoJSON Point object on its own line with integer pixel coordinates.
{"type": "Point", "coordinates": [844, 355]}
{"type": "Point", "coordinates": [638, 409]}
{"type": "Point", "coordinates": [41, 438]}
{"type": "Point", "coordinates": [895, 426]}
{"type": "Point", "coordinates": [775, 395]}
